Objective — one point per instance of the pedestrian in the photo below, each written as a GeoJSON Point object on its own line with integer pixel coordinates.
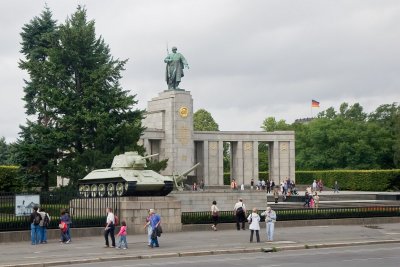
{"type": "Point", "coordinates": [214, 215]}
{"type": "Point", "coordinates": [149, 230]}
{"type": "Point", "coordinates": [110, 228]}
{"type": "Point", "coordinates": [254, 221]}
{"type": "Point", "coordinates": [155, 222]}
{"type": "Point", "coordinates": [276, 194]}
{"type": "Point", "coordinates": [194, 187]}
{"type": "Point", "coordinates": [268, 186]}
{"type": "Point", "coordinates": [44, 224]}
{"type": "Point", "coordinates": [66, 224]}
{"type": "Point", "coordinates": [252, 184]}
{"type": "Point", "coordinates": [314, 186]}
{"type": "Point", "coordinates": [233, 185]}
{"type": "Point", "coordinates": [202, 185]}
{"type": "Point", "coordinates": [306, 199]}
{"type": "Point", "coordinates": [316, 200]}
{"type": "Point", "coordinates": [122, 236]}
{"type": "Point", "coordinates": [270, 219]}
{"type": "Point", "coordinates": [336, 188]}
{"type": "Point", "coordinates": [262, 184]}
{"type": "Point", "coordinates": [35, 219]}
{"type": "Point", "coordinates": [240, 213]}
{"type": "Point", "coordinates": [242, 187]}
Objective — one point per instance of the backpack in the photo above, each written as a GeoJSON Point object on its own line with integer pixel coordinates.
{"type": "Point", "coordinates": [46, 220]}
{"type": "Point", "coordinates": [240, 211]}
{"type": "Point", "coordinates": [37, 218]}
{"type": "Point", "coordinates": [116, 220]}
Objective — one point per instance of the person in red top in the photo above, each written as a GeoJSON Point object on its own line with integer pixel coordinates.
{"type": "Point", "coordinates": [122, 236]}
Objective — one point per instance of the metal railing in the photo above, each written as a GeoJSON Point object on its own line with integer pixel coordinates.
{"type": "Point", "coordinates": [204, 217]}
{"type": "Point", "coordinates": [84, 212]}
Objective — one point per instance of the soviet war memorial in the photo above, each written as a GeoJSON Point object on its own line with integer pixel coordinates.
{"type": "Point", "coordinates": [204, 133]}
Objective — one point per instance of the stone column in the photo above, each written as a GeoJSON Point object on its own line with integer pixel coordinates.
{"type": "Point", "coordinates": [220, 163]}
{"type": "Point", "coordinates": [292, 161]}
{"type": "Point", "coordinates": [237, 162]}
{"type": "Point", "coordinates": [213, 163]}
{"type": "Point", "coordinates": [255, 161]}
{"type": "Point", "coordinates": [274, 170]}
{"type": "Point", "coordinates": [248, 162]}
{"type": "Point", "coordinates": [207, 179]}
{"type": "Point", "coordinates": [284, 155]}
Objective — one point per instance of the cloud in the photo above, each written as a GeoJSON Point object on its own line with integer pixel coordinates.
{"type": "Point", "coordinates": [248, 59]}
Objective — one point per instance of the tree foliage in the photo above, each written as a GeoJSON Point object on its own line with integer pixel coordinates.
{"type": "Point", "coordinates": [83, 116]}
{"type": "Point", "coordinates": [203, 121]}
{"type": "Point", "coordinates": [346, 139]}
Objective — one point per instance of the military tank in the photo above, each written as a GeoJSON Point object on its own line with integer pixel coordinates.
{"type": "Point", "coordinates": [126, 177]}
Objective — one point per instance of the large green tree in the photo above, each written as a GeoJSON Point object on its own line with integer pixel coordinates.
{"type": "Point", "coordinates": [83, 116]}
{"type": "Point", "coordinates": [203, 121]}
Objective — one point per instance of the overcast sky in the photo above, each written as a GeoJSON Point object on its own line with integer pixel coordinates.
{"type": "Point", "coordinates": [248, 59]}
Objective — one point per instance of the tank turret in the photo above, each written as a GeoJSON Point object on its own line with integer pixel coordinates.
{"type": "Point", "coordinates": [130, 160]}
{"type": "Point", "coordinates": [126, 177]}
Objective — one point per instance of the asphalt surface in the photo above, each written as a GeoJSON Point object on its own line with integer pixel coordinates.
{"type": "Point", "coordinates": [185, 244]}
{"type": "Point", "coordinates": [375, 255]}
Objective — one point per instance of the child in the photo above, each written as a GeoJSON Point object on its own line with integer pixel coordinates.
{"type": "Point", "coordinates": [122, 235]}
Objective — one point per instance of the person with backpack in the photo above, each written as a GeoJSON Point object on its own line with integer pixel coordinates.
{"type": "Point", "coordinates": [240, 213]}
{"type": "Point", "coordinates": [44, 224]}
{"type": "Point", "coordinates": [35, 219]}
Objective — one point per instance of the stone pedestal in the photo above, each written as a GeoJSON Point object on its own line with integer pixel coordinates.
{"type": "Point", "coordinates": [135, 210]}
{"type": "Point", "coordinates": [172, 113]}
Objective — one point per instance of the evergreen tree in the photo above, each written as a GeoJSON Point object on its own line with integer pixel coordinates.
{"type": "Point", "coordinates": [84, 117]}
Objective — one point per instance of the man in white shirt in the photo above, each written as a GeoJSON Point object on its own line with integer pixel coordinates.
{"type": "Point", "coordinates": [240, 213]}
{"type": "Point", "coordinates": [110, 228]}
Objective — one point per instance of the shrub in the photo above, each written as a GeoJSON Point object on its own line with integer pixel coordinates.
{"type": "Point", "coordinates": [8, 178]}
{"type": "Point", "coordinates": [359, 180]}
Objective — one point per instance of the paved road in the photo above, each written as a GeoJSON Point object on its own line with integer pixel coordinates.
{"type": "Point", "coordinates": [365, 256]}
{"type": "Point", "coordinates": [92, 247]}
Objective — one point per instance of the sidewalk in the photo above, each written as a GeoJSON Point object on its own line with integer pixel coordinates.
{"type": "Point", "coordinates": [194, 243]}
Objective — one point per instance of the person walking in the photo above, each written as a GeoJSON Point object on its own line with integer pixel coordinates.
{"type": "Point", "coordinates": [336, 188]}
{"type": "Point", "coordinates": [251, 184]}
{"type": "Point", "coordinates": [268, 186]}
{"type": "Point", "coordinates": [65, 232]}
{"type": "Point", "coordinates": [110, 228]}
{"type": "Point", "coordinates": [240, 213]}
{"type": "Point", "coordinates": [214, 215]}
{"type": "Point", "coordinates": [276, 194]}
{"type": "Point", "coordinates": [254, 221]}
{"type": "Point", "coordinates": [44, 223]}
{"type": "Point", "coordinates": [155, 222]}
{"type": "Point", "coordinates": [234, 185]}
{"type": "Point", "coordinates": [270, 219]}
{"type": "Point", "coordinates": [316, 200]}
{"type": "Point", "coordinates": [314, 186]}
{"type": "Point", "coordinates": [35, 219]}
{"type": "Point", "coordinates": [306, 199]}
{"type": "Point", "coordinates": [122, 236]}
{"type": "Point", "coordinates": [149, 230]}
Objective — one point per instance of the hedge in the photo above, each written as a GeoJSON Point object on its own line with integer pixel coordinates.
{"type": "Point", "coordinates": [8, 176]}
{"type": "Point", "coordinates": [357, 180]}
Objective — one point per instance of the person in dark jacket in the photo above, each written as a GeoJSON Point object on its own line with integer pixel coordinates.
{"type": "Point", "coordinates": [65, 236]}
{"type": "Point", "coordinates": [35, 219]}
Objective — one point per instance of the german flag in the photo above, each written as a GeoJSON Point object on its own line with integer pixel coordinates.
{"type": "Point", "coordinates": [314, 104]}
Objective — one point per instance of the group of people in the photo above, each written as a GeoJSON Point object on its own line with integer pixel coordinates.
{"type": "Point", "coordinates": [253, 219]}
{"type": "Point", "coordinates": [40, 221]}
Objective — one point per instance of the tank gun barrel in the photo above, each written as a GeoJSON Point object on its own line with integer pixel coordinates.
{"type": "Point", "coordinates": [179, 179]}
{"type": "Point", "coordinates": [183, 175]}
{"type": "Point", "coordinates": [151, 156]}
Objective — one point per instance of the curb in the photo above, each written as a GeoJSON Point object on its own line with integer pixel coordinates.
{"type": "Point", "coordinates": [208, 252]}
